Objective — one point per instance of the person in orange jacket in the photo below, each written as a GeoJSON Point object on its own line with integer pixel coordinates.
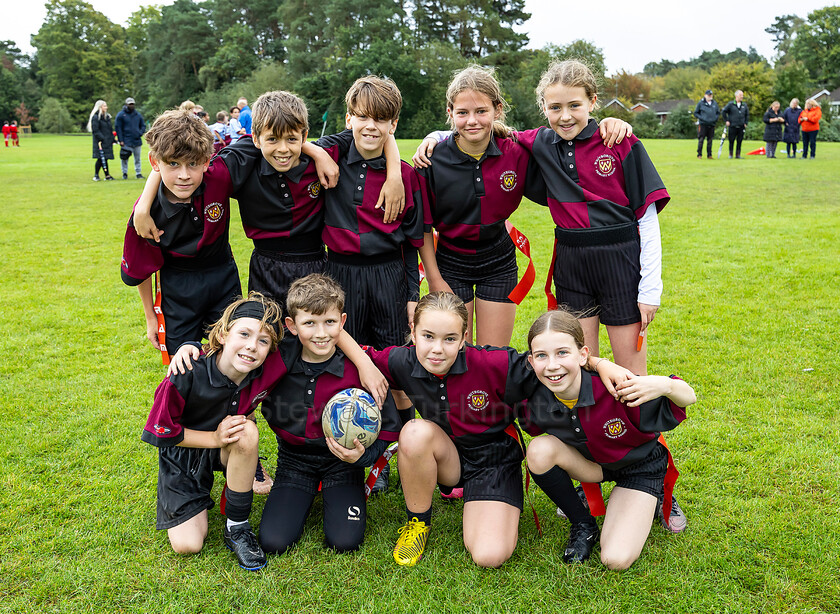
{"type": "Point", "coordinates": [810, 123]}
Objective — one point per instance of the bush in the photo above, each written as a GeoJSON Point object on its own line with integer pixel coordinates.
{"type": "Point", "coordinates": [680, 124]}
{"type": "Point", "coordinates": [54, 118]}
{"type": "Point", "coordinates": [646, 125]}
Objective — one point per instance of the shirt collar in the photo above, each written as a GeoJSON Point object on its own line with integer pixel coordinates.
{"type": "Point", "coordinates": [588, 131]}
{"type": "Point", "coordinates": [334, 366]}
{"type": "Point", "coordinates": [220, 380]}
{"type": "Point", "coordinates": [461, 156]}
{"type": "Point", "coordinates": [171, 209]}
{"type": "Point", "coordinates": [293, 174]}
{"type": "Point", "coordinates": [354, 157]}
{"type": "Point", "coordinates": [459, 367]}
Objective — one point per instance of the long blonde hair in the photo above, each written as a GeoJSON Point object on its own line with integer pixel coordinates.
{"type": "Point", "coordinates": [97, 108]}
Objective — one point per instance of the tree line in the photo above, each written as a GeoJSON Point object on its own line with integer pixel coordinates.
{"type": "Point", "coordinates": [215, 51]}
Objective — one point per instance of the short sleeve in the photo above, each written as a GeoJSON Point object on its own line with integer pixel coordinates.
{"type": "Point", "coordinates": [163, 428]}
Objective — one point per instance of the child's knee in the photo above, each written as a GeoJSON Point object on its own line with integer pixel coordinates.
{"type": "Point", "coordinates": [540, 455]}
{"type": "Point", "coordinates": [186, 543]}
{"type": "Point", "coordinates": [616, 560]}
{"type": "Point", "coordinates": [490, 555]}
{"type": "Point", "coordinates": [249, 439]}
{"type": "Point", "coordinates": [416, 438]}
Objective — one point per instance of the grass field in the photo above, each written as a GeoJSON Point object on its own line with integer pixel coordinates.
{"type": "Point", "coordinates": [750, 317]}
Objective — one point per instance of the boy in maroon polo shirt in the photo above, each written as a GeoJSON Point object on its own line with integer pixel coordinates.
{"type": "Point", "coordinates": [279, 179]}
{"type": "Point", "coordinates": [198, 276]}
{"type": "Point", "coordinates": [375, 260]}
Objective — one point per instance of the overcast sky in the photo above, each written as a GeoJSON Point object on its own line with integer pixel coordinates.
{"type": "Point", "coordinates": [629, 35]}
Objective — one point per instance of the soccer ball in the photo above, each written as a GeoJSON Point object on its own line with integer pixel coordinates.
{"type": "Point", "coordinates": [351, 414]}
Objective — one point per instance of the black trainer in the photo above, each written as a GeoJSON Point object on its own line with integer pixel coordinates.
{"type": "Point", "coordinates": [582, 539]}
{"type": "Point", "coordinates": [240, 539]}
{"type": "Point", "coordinates": [382, 483]}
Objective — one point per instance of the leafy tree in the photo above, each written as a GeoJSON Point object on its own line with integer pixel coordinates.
{"type": "Point", "coordinates": [54, 117]}
{"type": "Point", "coordinates": [178, 46]}
{"type": "Point", "coordinates": [262, 20]}
{"type": "Point", "coordinates": [792, 81]}
{"type": "Point", "coordinates": [783, 32]}
{"type": "Point", "coordinates": [756, 80]}
{"type": "Point", "coordinates": [81, 55]}
{"type": "Point", "coordinates": [584, 51]}
{"type": "Point", "coordinates": [237, 56]}
{"type": "Point", "coordinates": [627, 87]}
{"type": "Point", "coordinates": [680, 83]}
{"type": "Point", "coordinates": [476, 27]}
{"type": "Point", "coordinates": [10, 93]}
{"type": "Point", "coordinates": [137, 37]}
{"type": "Point", "coordinates": [817, 44]}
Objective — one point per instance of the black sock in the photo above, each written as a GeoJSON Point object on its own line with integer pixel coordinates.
{"type": "Point", "coordinates": [238, 506]}
{"type": "Point", "coordinates": [557, 484]}
{"type": "Point", "coordinates": [421, 516]}
{"type": "Point", "coordinates": [445, 490]}
{"type": "Point", "coordinates": [407, 414]}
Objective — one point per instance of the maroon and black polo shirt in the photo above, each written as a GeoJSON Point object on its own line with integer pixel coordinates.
{"type": "Point", "coordinates": [293, 409]}
{"type": "Point", "coordinates": [200, 399]}
{"type": "Point", "coordinates": [470, 199]}
{"type": "Point", "coordinates": [281, 212]}
{"type": "Point", "coordinates": [590, 185]}
{"type": "Point", "coordinates": [601, 428]}
{"type": "Point", "coordinates": [352, 224]}
{"type": "Point", "coordinates": [196, 234]}
{"type": "Point", "coordinates": [471, 403]}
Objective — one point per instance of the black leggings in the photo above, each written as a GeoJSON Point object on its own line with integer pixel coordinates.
{"type": "Point", "coordinates": [287, 507]}
{"type": "Point", "coordinates": [97, 166]}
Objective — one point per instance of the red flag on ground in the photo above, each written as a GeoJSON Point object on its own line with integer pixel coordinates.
{"type": "Point", "coordinates": [758, 152]}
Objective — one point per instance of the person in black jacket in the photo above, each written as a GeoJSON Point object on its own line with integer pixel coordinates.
{"type": "Point", "coordinates": [130, 127]}
{"type": "Point", "coordinates": [736, 114]}
{"type": "Point", "coordinates": [774, 126]}
{"type": "Point", "coordinates": [707, 112]}
{"type": "Point", "coordinates": [99, 124]}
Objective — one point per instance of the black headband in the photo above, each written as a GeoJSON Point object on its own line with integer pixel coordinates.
{"type": "Point", "coordinates": [249, 309]}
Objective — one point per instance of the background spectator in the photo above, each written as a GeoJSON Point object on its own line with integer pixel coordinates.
{"type": "Point", "coordinates": [130, 127]}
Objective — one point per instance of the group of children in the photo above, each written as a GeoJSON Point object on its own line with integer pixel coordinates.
{"type": "Point", "coordinates": [10, 133]}
{"type": "Point", "coordinates": [375, 214]}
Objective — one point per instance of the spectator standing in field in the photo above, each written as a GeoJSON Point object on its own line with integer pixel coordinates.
{"type": "Point", "coordinates": [773, 127]}
{"type": "Point", "coordinates": [244, 114]}
{"type": "Point", "coordinates": [130, 127]}
{"type": "Point", "coordinates": [707, 112]}
{"type": "Point", "coordinates": [99, 125]}
{"type": "Point", "coordinates": [736, 114]}
{"type": "Point", "coordinates": [791, 135]}
{"type": "Point", "coordinates": [810, 123]}
{"type": "Point", "coordinates": [7, 130]}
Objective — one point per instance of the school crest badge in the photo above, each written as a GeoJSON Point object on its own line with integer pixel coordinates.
{"type": "Point", "coordinates": [477, 400]}
{"type": "Point", "coordinates": [605, 165]}
{"type": "Point", "coordinates": [615, 428]}
{"type": "Point", "coordinates": [161, 430]}
{"type": "Point", "coordinates": [313, 189]}
{"type": "Point", "coordinates": [508, 180]}
{"type": "Point", "coordinates": [213, 212]}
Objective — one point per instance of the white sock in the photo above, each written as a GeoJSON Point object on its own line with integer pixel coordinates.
{"type": "Point", "coordinates": [231, 523]}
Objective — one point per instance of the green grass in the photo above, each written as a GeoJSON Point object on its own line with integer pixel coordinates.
{"type": "Point", "coordinates": [749, 317]}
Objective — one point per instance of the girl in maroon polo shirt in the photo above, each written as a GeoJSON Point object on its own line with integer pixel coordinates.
{"type": "Point", "coordinates": [466, 396]}
{"type": "Point", "coordinates": [593, 437]}
{"type": "Point", "coordinates": [476, 180]}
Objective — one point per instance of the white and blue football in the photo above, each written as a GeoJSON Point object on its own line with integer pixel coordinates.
{"type": "Point", "coordinates": [351, 414]}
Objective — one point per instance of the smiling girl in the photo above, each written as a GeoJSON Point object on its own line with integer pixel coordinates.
{"type": "Point", "coordinates": [593, 437]}
{"type": "Point", "coordinates": [466, 396]}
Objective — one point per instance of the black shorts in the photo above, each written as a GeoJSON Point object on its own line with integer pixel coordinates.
{"type": "Point", "coordinates": [491, 271]}
{"type": "Point", "coordinates": [273, 272]}
{"type": "Point", "coordinates": [646, 475]}
{"type": "Point", "coordinates": [376, 296]}
{"type": "Point", "coordinates": [185, 479]}
{"type": "Point", "coordinates": [305, 467]}
{"type": "Point", "coordinates": [597, 272]}
{"type": "Point", "coordinates": [492, 470]}
{"type": "Point", "coordinates": [192, 301]}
